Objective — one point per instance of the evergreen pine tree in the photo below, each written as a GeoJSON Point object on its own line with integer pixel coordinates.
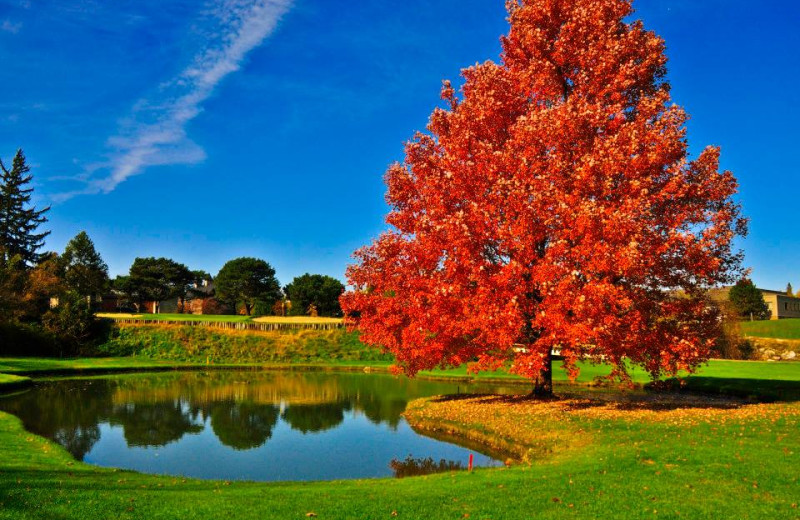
{"type": "Point", "coordinates": [84, 269]}
{"type": "Point", "coordinates": [748, 301]}
{"type": "Point", "coordinates": [19, 221]}
{"type": "Point", "coordinates": [12, 286]}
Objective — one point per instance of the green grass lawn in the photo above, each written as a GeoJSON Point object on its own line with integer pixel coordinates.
{"type": "Point", "coordinates": [749, 374]}
{"type": "Point", "coordinates": [776, 329]}
{"type": "Point", "coordinates": [39, 365]}
{"type": "Point", "coordinates": [12, 382]}
{"type": "Point", "coordinates": [716, 368]}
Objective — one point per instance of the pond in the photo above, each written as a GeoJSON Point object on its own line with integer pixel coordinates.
{"type": "Point", "coordinates": [242, 425]}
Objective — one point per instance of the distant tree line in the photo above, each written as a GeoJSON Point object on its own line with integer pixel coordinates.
{"type": "Point", "coordinates": [244, 285]}
{"type": "Point", "coordinates": [50, 299]}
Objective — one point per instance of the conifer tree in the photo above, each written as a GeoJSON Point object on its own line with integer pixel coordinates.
{"type": "Point", "coordinates": [748, 301]}
{"type": "Point", "coordinates": [12, 285]}
{"type": "Point", "coordinates": [85, 272]}
{"type": "Point", "coordinates": [19, 220]}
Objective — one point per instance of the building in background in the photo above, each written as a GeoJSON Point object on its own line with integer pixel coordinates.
{"type": "Point", "coordinates": [781, 305]}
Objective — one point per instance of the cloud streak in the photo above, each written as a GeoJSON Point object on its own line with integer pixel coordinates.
{"type": "Point", "coordinates": [155, 132]}
{"type": "Point", "coordinates": [10, 27]}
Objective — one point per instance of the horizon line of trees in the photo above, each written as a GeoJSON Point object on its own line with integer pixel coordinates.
{"type": "Point", "coordinates": [243, 285]}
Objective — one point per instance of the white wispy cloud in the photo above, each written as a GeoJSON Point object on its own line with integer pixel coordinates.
{"type": "Point", "coordinates": [10, 27]}
{"type": "Point", "coordinates": [155, 132]}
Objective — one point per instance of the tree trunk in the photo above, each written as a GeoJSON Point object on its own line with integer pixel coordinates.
{"type": "Point", "coordinates": [247, 308]}
{"type": "Point", "coordinates": [543, 385]}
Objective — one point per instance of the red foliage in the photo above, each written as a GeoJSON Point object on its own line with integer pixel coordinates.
{"type": "Point", "coordinates": [553, 205]}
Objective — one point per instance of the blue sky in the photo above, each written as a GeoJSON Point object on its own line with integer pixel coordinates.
{"type": "Point", "coordinates": [203, 130]}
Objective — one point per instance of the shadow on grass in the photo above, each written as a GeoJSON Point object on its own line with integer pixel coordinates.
{"type": "Point", "coordinates": [97, 480]}
{"type": "Point", "coordinates": [691, 393]}
{"type": "Point", "coordinates": [758, 390]}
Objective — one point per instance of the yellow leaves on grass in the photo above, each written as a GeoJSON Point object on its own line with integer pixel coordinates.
{"type": "Point", "coordinates": [532, 429]}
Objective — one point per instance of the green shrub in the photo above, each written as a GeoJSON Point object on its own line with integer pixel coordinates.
{"type": "Point", "coordinates": [746, 349]}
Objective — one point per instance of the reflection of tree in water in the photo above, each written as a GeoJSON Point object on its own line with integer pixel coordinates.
{"type": "Point", "coordinates": [317, 417]}
{"type": "Point", "coordinates": [411, 467]}
{"type": "Point", "coordinates": [78, 440]}
{"type": "Point", "coordinates": [243, 425]}
{"type": "Point", "coordinates": [157, 409]}
{"type": "Point", "coordinates": [380, 410]}
{"type": "Point", "coordinates": [66, 411]}
{"type": "Point", "coordinates": [154, 424]}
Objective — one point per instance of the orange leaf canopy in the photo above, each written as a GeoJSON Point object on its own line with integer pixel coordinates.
{"type": "Point", "coordinates": [552, 205]}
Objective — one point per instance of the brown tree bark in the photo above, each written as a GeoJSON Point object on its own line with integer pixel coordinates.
{"type": "Point", "coordinates": [543, 385]}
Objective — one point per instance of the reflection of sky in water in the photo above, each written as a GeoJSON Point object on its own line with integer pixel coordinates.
{"type": "Point", "coordinates": [356, 448]}
{"type": "Point", "coordinates": [240, 425]}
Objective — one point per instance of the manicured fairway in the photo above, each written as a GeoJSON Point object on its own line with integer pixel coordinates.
{"type": "Point", "coordinates": [297, 319]}
{"type": "Point", "coordinates": [219, 318]}
{"type": "Point", "coordinates": [777, 329]}
{"type": "Point", "coordinates": [177, 317]}
{"type": "Point", "coordinates": [38, 365]}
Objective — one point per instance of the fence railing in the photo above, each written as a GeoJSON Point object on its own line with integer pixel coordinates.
{"type": "Point", "coordinates": [237, 325]}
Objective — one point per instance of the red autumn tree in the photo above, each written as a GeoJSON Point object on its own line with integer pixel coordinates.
{"type": "Point", "coordinates": [552, 206]}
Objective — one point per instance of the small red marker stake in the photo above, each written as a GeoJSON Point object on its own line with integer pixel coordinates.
{"type": "Point", "coordinates": [470, 461]}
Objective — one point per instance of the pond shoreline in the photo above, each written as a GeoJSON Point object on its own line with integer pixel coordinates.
{"type": "Point", "coordinates": [327, 425]}
{"type": "Point", "coordinates": [11, 383]}
{"type": "Point", "coordinates": [67, 371]}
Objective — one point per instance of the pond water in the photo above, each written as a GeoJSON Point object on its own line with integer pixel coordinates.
{"type": "Point", "coordinates": [241, 425]}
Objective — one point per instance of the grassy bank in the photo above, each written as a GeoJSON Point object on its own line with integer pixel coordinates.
{"type": "Point", "coordinates": [34, 366]}
{"type": "Point", "coordinates": [777, 329]}
{"type": "Point", "coordinates": [10, 382]}
{"type": "Point", "coordinates": [740, 378]}
{"type": "Point", "coordinates": [201, 345]}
